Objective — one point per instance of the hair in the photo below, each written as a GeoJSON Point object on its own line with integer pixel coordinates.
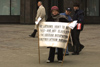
{"type": "Point", "coordinates": [40, 2]}
{"type": "Point", "coordinates": [76, 4]}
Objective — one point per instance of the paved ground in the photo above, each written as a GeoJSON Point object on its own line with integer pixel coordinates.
{"type": "Point", "coordinates": [17, 49]}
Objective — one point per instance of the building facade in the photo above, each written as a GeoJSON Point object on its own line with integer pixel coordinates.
{"type": "Point", "coordinates": [24, 11]}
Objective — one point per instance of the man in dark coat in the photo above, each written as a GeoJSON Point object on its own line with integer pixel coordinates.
{"type": "Point", "coordinates": [79, 16]}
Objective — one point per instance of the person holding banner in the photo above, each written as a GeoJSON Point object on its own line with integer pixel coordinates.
{"type": "Point", "coordinates": [56, 17]}
{"type": "Point", "coordinates": [79, 16]}
{"type": "Point", "coordinates": [67, 14]}
{"type": "Point", "coordinates": [40, 17]}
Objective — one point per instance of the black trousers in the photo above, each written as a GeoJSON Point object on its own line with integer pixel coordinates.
{"type": "Point", "coordinates": [76, 42]}
{"type": "Point", "coordinates": [52, 54]}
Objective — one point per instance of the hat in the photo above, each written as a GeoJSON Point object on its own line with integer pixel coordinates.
{"type": "Point", "coordinates": [54, 8]}
{"type": "Point", "coordinates": [76, 5]}
{"type": "Point", "coordinates": [68, 9]}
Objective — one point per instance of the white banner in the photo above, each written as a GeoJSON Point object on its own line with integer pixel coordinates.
{"type": "Point", "coordinates": [53, 34]}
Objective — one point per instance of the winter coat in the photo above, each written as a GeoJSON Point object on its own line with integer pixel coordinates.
{"type": "Point", "coordinates": [41, 13]}
{"type": "Point", "coordinates": [58, 18]}
{"type": "Point", "coordinates": [79, 15]}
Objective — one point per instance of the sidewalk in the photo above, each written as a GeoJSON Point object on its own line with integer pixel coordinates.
{"type": "Point", "coordinates": [17, 49]}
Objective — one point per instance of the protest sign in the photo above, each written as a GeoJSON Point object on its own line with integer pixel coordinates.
{"type": "Point", "coordinates": [53, 34]}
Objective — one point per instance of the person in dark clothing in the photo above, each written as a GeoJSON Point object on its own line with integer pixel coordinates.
{"type": "Point", "coordinates": [56, 17]}
{"type": "Point", "coordinates": [79, 16]}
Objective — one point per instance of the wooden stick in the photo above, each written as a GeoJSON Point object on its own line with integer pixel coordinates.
{"type": "Point", "coordinates": [71, 40]}
{"type": "Point", "coordinates": [66, 46]}
{"type": "Point", "coordinates": [38, 46]}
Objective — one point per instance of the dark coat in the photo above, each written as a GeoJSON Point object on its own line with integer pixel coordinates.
{"type": "Point", "coordinates": [58, 18]}
{"type": "Point", "coordinates": [79, 15]}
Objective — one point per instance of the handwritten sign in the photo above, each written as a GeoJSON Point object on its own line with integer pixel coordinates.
{"type": "Point", "coordinates": [53, 34]}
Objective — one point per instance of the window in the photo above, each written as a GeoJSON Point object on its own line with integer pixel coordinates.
{"type": "Point", "coordinates": [4, 7]}
{"type": "Point", "coordinates": [92, 7]}
{"type": "Point", "coordinates": [9, 7]}
{"type": "Point", "coordinates": [15, 7]}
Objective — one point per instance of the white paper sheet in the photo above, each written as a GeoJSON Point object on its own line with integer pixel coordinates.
{"type": "Point", "coordinates": [39, 19]}
{"type": "Point", "coordinates": [73, 24]}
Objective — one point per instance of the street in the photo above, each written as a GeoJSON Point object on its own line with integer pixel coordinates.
{"type": "Point", "coordinates": [17, 49]}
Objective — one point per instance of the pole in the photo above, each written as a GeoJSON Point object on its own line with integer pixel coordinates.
{"type": "Point", "coordinates": [66, 46]}
{"type": "Point", "coordinates": [38, 45]}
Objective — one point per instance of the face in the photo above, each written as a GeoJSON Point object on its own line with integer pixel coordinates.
{"type": "Point", "coordinates": [39, 3]}
{"type": "Point", "coordinates": [68, 12]}
{"type": "Point", "coordinates": [75, 8]}
{"type": "Point", "coordinates": [55, 12]}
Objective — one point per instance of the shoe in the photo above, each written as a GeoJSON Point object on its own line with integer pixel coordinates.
{"type": "Point", "coordinates": [81, 48]}
{"type": "Point", "coordinates": [75, 53]}
{"type": "Point", "coordinates": [48, 61]}
{"type": "Point", "coordinates": [60, 61]}
{"type": "Point", "coordinates": [66, 54]}
{"type": "Point", "coordinates": [31, 36]}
